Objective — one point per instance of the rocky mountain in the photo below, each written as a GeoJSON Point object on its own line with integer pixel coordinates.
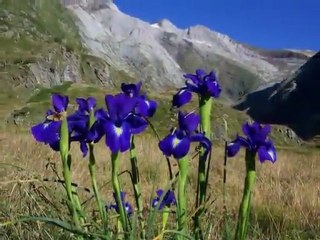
{"type": "Point", "coordinates": [293, 102]}
{"type": "Point", "coordinates": [160, 53]}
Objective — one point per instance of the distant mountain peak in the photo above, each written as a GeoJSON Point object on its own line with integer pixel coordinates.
{"type": "Point", "coordinates": [166, 25]}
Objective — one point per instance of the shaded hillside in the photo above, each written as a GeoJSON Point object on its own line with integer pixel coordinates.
{"type": "Point", "coordinates": [294, 102]}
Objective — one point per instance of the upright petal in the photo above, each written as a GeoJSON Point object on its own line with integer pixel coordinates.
{"type": "Point", "coordinates": [188, 122]}
{"type": "Point", "coordinates": [119, 106]}
{"type": "Point", "coordinates": [86, 105]}
{"type": "Point", "coordinates": [131, 89]}
{"type": "Point", "coordinates": [181, 98]}
{"type": "Point", "coordinates": [213, 88]}
{"type": "Point", "coordinates": [60, 102]}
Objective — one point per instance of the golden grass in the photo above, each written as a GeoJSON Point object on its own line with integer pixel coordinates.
{"type": "Point", "coordinates": [286, 201]}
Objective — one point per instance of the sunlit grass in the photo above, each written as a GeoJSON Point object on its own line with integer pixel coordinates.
{"type": "Point", "coordinates": [286, 200]}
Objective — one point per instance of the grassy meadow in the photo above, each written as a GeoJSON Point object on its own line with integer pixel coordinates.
{"type": "Point", "coordinates": [286, 200]}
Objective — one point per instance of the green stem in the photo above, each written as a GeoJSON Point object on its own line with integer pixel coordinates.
{"type": "Point", "coordinates": [244, 211]}
{"type": "Point", "coordinates": [205, 105]}
{"type": "Point", "coordinates": [136, 185]}
{"type": "Point", "coordinates": [165, 217]}
{"type": "Point", "coordinates": [205, 114]}
{"type": "Point", "coordinates": [117, 189]}
{"type": "Point", "coordinates": [92, 170]}
{"type": "Point", "coordinates": [66, 164]}
{"type": "Point", "coordinates": [182, 201]}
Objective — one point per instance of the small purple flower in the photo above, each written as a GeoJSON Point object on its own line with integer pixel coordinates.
{"type": "Point", "coordinates": [201, 83]}
{"type": "Point", "coordinates": [80, 120]}
{"type": "Point", "coordinates": [145, 107]}
{"type": "Point", "coordinates": [256, 141]}
{"type": "Point", "coordinates": [126, 205]}
{"type": "Point", "coordinates": [48, 132]}
{"type": "Point", "coordinates": [86, 105]}
{"type": "Point", "coordinates": [177, 143]}
{"type": "Point", "coordinates": [167, 200]}
{"type": "Point", "coordinates": [119, 123]}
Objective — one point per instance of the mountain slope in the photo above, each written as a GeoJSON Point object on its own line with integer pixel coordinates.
{"type": "Point", "coordinates": [293, 102]}
{"type": "Point", "coordinates": [160, 53]}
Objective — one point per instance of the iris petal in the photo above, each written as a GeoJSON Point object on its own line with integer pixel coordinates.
{"type": "Point", "coordinates": [84, 148]}
{"type": "Point", "coordinates": [46, 132]}
{"type": "Point", "coordinates": [267, 151]}
{"type": "Point", "coordinates": [182, 97]}
{"type": "Point", "coordinates": [117, 138]}
{"type": "Point", "coordinates": [60, 102]}
{"type": "Point", "coordinates": [188, 122]}
{"type": "Point", "coordinates": [166, 145]}
{"type": "Point", "coordinates": [137, 124]}
{"type": "Point", "coordinates": [203, 140]}
{"type": "Point", "coordinates": [213, 88]}
{"type": "Point", "coordinates": [233, 148]}
{"type": "Point", "coordinates": [181, 148]}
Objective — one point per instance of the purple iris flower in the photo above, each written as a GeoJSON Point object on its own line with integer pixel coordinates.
{"type": "Point", "coordinates": [256, 141]}
{"type": "Point", "coordinates": [118, 123]}
{"type": "Point", "coordinates": [145, 107]}
{"type": "Point", "coordinates": [201, 83]}
{"type": "Point", "coordinates": [177, 143]}
{"type": "Point", "coordinates": [80, 120]}
{"type": "Point", "coordinates": [167, 200]}
{"type": "Point", "coordinates": [48, 132]}
{"type": "Point", "coordinates": [126, 205]}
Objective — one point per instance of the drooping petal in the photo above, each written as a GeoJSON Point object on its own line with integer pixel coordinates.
{"type": "Point", "coordinates": [117, 137]}
{"type": "Point", "coordinates": [101, 115]}
{"type": "Point", "coordinates": [55, 145]}
{"type": "Point", "coordinates": [60, 102]}
{"type": "Point", "coordinates": [188, 122]}
{"type": "Point", "coordinates": [84, 148]}
{"type": "Point", "coordinates": [182, 97]}
{"type": "Point", "coordinates": [166, 145]}
{"type": "Point", "coordinates": [137, 124]}
{"type": "Point", "coordinates": [152, 107]}
{"type": "Point", "coordinates": [203, 140]}
{"type": "Point", "coordinates": [96, 132]}
{"type": "Point", "coordinates": [233, 148]}
{"type": "Point", "coordinates": [268, 152]}
{"type": "Point", "coordinates": [180, 147]}
{"type": "Point", "coordinates": [48, 132]}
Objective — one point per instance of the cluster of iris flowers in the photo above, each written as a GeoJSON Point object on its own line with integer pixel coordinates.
{"type": "Point", "coordinates": [127, 114]}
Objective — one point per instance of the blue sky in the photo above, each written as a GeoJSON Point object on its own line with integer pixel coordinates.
{"type": "Point", "coordinates": [271, 24]}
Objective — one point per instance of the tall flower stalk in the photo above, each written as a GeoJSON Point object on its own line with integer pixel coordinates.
{"type": "Point", "coordinates": [256, 142]}
{"type": "Point", "coordinates": [183, 164]}
{"type": "Point", "coordinates": [56, 131]}
{"type": "Point", "coordinates": [177, 143]}
{"type": "Point", "coordinates": [86, 107]}
{"type": "Point", "coordinates": [206, 86]}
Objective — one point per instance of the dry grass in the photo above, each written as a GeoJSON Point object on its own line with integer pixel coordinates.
{"type": "Point", "coordinates": [286, 198]}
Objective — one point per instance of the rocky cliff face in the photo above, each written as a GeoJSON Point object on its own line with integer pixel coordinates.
{"type": "Point", "coordinates": [160, 53]}
{"type": "Point", "coordinates": [293, 102]}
